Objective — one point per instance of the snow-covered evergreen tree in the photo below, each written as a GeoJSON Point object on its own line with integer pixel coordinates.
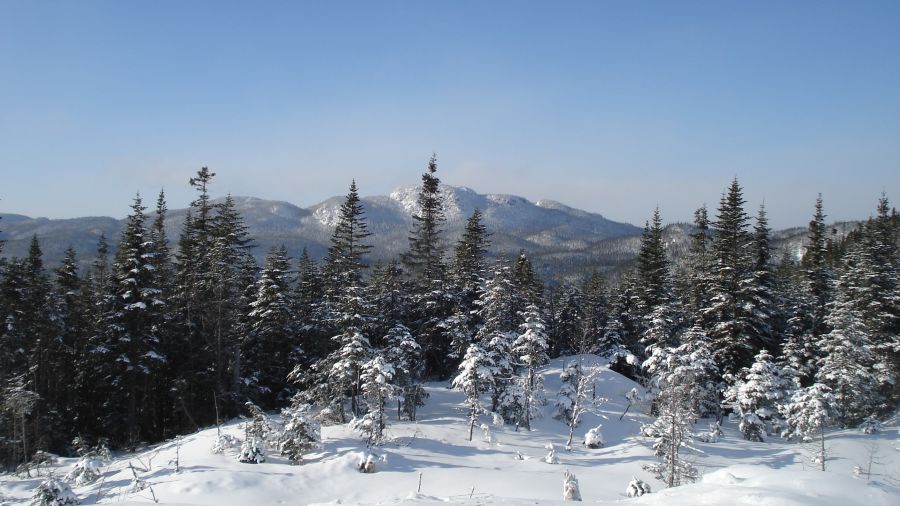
{"type": "Point", "coordinates": [530, 349]}
{"type": "Point", "coordinates": [405, 355]}
{"type": "Point", "coordinates": [476, 375]}
{"type": "Point", "coordinates": [576, 395]}
{"type": "Point", "coordinates": [637, 488]}
{"type": "Point", "coordinates": [756, 395]}
{"type": "Point", "coordinates": [301, 432]}
{"type": "Point", "coordinates": [54, 492]}
{"type": "Point", "coordinates": [846, 367]}
{"type": "Point", "coordinates": [270, 346]}
{"type": "Point", "coordinates": [807, 414]}
{"type": "Point", "coordinates": [675, 381]}
{"type": "Point", "coordinates": [570, 487]}
{"type": "Point", "coordinates": [377, 377]}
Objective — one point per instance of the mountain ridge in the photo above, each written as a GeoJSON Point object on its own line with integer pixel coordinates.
{"type": "Point", "coordinates": [514, 223]}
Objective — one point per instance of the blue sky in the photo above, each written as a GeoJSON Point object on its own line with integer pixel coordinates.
{"type": "Point", "coordinates": [613, 107]}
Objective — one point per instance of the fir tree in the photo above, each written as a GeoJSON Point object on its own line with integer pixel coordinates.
{"type": "Point", "coordinates": [676, 409]}
{"type": "Point", "coordinates": [654, 283]}
{"type": "Point", "coordinates": [756, 397]}
{"type": "Point", "coordinates": [530, 349]}
{"type": "Point", "coordinates": [729, 327]}
{"type": "Point", "coordinates": [807, 415]}
{"type": "Point", "coordinates": [131, 335]}
{"type": "Point", "coordinates": [270, 345]}
{"type": "Point", "coordinates": [846, 367]}
{"type": "Point", "coordinates": [425, 258]}
{"type": "Point", "coordinates": [405, 355]}
{"type": "Point", "coordinates": [378, 387]}
{"type": "Point", "coordinates": [301, 432]}
{"type": "Point", "coordinates": [818, 275]}
{"type": "Point", "coordinates": [344, 261]}
{"type": "Point", "coordinates": [469, 263]}
{"type": "Point", "coordinates": [476, 374]}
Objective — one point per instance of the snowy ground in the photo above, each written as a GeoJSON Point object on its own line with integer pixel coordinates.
{"type": "Point", "coordinates": [457, 471]}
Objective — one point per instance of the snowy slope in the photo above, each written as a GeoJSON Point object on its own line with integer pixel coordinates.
{"type": "Point", "coordinates": [482, 472]}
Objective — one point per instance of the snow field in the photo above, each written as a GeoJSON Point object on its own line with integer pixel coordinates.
{"type": "Point", "coordinates": [488, 470]}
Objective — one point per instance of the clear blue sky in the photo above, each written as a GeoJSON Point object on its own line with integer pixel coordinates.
{"type": "Point", "coordinates": [613, 107]}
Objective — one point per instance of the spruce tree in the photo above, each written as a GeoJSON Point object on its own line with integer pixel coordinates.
{"type": "Point", "coordinates": [818, 274]}
{"type": "Point", "coordinates": [469, 260]}
{"type": "Point", "coordinates": [654, 283]}
{"type": "Point", "coordinates": [425, 258]}
{"type": "Point", "coordinates": [270, 346]}
{"type": "Point", "coordinates": [530, 349]}
{"type": "Point", "coordinates": [476, 374]}
{"type": "Point", "coordinates": [130, 330]}
{"type": "Point", "coordinates": [727, 316]}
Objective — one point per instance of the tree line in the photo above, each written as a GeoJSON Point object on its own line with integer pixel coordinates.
{"type": "Point", "coordinates": [158, 341]}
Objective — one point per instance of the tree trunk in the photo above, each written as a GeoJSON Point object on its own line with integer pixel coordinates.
{"type": "Point", "coordinates": [822, 447]}
{"type": "Point", "coordinates": [673, 452]}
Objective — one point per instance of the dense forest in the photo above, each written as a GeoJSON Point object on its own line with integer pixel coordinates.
{"type": "Point", "coordinates": [169, 336]}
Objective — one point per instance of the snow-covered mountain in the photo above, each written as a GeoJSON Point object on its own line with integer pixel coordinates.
{"type": "Point", "coordinates": [542, 228]}
{"type": "Point", "coordinates": [565, 243]}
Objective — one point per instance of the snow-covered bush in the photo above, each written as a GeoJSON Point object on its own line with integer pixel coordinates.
{"type": "Point", "coordinates": [86, 471]}
{"type": "Point", "coordinates": [752, 427]}
{"type": "Point", "coordinates": [570, 487]}
{"type": "Point", "coordinates": [258, 426]}
{"type": "Point", "coordinates": [367, 465]}
{"type": "Point", "coordinates": [594, 438]}
{"type": "Point", "coordinates": [488, 434]}
{"type": "Point", "coordinates": [39, 463]}
{"type": "Point", "coordinates": [301, 432]}
{"type": "Point", "coordinates": [551, 457]}
{"type": "Point", "coordinates": [870, 425]}
{"type": "Point", "coordinates": [712, 435]}
{"type": "Point", "coordinates": [225, 442]}
{"type": "Point", "coordinates": [253, 451]}
{"type": "Point", "coordinates": [637, 488]}
{"type": "Point", "coordinates": [54, 492]}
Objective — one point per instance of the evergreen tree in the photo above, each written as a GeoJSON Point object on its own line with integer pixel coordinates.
{"type": "Point", "coordinates": [654, 283]}
{"type": "Point", "coordinates": [378, 387]}
{"type": "Point", "coordinates": [596, 311]}
{"type": "Point", "coordinates": [476, 374]}
{"type": "Point", "coordinates": [301, 433]}
{"type": "Point", "coordinates": [695, 354]}
{"type": "Point", "coordinates": [130, 330]}
{"type": "Point", "coordinates": [405, 355]}
{"type": "Point", "coordinates": [729, 326]}
{"type": "Point", "coordinates": [846, 367]}
{"type": "Point", "coordinates": [568, 335]}
{"type": "Point", "coordinates": [469, 263]}
{"type": "Point", "coordinates": [344, 261]}
{"type": "Point", "coordinates": [526, 281]}
{"type": "Point", "coordinates": [233, 273]}
{"type": "Point", "coordinates": [759, 285]}
{"type": "Point", "coordinates": [425, 258]}
{"type": "Point", "coordinates": [756, 397]}
{"type": "Point", "coordinates": [676, 382]}
{"type": "Point", "coordinates": [808, 414]}
{"type": "Point", "coordinates": [310, 312]}
{"type": "Point", "coordinates": [699, 264]}
{"type": "Point", "coordinates": [270, 345]}
{"type": "Point", "coordinates": [530, 349]}
{"type": "Point", "coordinates": [819, 276]}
